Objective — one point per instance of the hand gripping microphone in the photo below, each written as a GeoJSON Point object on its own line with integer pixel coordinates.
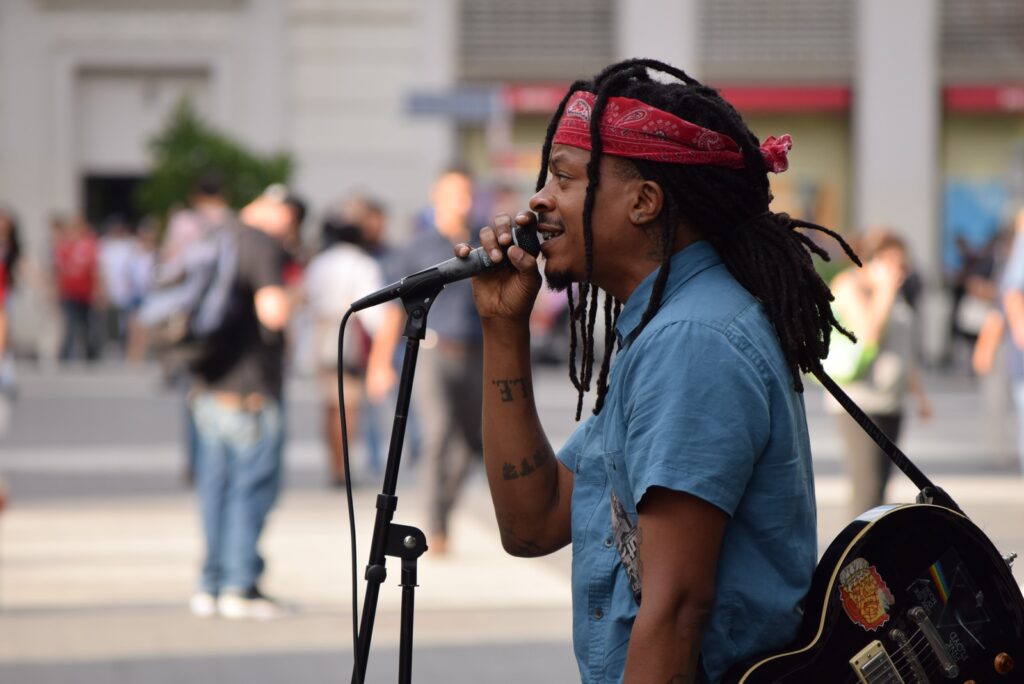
{"type": "Point", "coordinates": [449, 271]}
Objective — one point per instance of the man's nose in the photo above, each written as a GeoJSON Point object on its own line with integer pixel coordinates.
{"type": "Point", "coordinates": [541, 203]}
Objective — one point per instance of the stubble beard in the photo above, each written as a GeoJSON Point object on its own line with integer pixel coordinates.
{"type": "Point", "coordinates": [558, 281]}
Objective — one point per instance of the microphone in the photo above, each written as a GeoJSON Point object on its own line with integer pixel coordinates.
{"type": "Point", "coordinates": [451, 270]}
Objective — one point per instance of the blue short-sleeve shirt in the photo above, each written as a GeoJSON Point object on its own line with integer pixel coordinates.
{"type": "Point", "coordinates": [702, 402]}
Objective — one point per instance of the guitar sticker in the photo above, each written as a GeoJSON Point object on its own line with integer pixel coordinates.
{"type": "Point", "coordinates": [866, 597]}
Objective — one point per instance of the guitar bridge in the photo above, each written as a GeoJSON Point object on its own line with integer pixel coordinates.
{"type": "Point", "coordinates": [873, 664]}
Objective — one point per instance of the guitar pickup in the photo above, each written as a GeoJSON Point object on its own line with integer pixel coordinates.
{"type": "Point", "coordinates": [873, 664]}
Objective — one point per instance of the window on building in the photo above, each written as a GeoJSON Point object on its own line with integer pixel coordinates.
{"type": "Point", "coordinates": [534, 39]}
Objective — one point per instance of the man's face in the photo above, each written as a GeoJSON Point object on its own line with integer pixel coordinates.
{"type": "Point", "coordinates": [453, 200]}
{"type": "Point", "coordinates": [269, 215]}
{"type": "Point", "coordinates": [559, 205]}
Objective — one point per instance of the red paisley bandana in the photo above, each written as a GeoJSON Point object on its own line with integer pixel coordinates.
{"type": "Point", "coordinates": [634, 129]}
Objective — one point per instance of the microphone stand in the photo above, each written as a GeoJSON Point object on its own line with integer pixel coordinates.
{"type": "Point", "coordinates": [390, 539]}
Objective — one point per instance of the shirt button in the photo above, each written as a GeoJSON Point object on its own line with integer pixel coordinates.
{"type": "Point", "coordinates": [608, 541]}
{"type": "Point", "coordinates": [598, 614]}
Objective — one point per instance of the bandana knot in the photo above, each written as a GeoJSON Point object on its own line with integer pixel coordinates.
{"type": "Point", "coordinates": [776, 152]}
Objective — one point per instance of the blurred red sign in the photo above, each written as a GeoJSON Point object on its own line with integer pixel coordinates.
{"type": "Point", "coordinates": [990, 98]}
{"type": "Point", "coordinates": [544, 98]}
{"type": "Point", "coordinates": [539, 98]}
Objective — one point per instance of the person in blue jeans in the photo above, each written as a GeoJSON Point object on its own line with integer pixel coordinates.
{"type": "Point", "coordinates": [688, 497]}
{"type": "Point", "coordinates": [237, 411]}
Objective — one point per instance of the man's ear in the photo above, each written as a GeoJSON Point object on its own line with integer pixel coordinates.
{"type": "Point", "coordinates": [648, 201]}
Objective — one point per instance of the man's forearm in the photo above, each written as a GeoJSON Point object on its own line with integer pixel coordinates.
{"type": "Point", "coordinates": [1013, 305]}
{"type": "Point", "coordinates": [521, 468]}
{"type": "Point", "coordinates": [664, 647]}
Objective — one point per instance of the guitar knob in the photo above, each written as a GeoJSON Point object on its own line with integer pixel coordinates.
{"type": "Point", "coordinates": [1004, 663]}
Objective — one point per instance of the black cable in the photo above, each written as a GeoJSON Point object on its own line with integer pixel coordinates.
{"type": "Point", "coordinates": [349, 498]}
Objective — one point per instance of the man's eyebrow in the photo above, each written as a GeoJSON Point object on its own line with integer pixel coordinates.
{"type": "Point", "coordinates": [558, 158]}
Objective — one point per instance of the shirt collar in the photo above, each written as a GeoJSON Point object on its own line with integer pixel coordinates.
{"type": "Point", "coordinates": [685, 264]}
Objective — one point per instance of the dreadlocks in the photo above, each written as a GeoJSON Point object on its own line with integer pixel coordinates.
{"type": "Point", "coordinates": [728, 207]}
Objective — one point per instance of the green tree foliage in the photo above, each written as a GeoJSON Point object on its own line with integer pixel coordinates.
{"type": "Point", "coordinates": [188, 148]}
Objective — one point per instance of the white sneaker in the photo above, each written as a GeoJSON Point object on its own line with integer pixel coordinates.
{"type": "Point", "coordinates": [203, 604]}
{"type": "Point", "coordinates": [251, 605]}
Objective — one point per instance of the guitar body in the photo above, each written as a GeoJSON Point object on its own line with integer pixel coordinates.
{"type": "Point", "coordinates": [909, 594]}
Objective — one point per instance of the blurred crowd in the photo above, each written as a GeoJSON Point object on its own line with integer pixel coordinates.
{"type": "Point", "coordinates": [104, 291]}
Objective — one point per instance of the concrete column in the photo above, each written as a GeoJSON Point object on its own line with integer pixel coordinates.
{"type": "Point", "coordinates": [665, 30]}
{"type": "Point", "coordinates": [437, 73]}
{"type": "Point", "coordinates": [26, 121]}
{"type": "Point", "coordinates": [896, 121]}
{"type": "Point", "coordinates": [896, 118]}
{"type": "Point", "coordinates": [262, 61]}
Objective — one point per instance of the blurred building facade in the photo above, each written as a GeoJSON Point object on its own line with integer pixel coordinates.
{"type": "Point", "coordinates": [909, 113]}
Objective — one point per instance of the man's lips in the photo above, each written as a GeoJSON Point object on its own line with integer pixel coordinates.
{"type": "Point", "coordinates": [548, 231]}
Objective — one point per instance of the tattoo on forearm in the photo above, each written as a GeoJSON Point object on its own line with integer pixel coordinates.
{"type": "Point", "coordinates": [526, 467]}
{"type": "Point", "coordinates": [519, 546]}
{"type": "Point", "coordinates": [512, 542]}
{"type": "Point", "coordinates": [506, 388]}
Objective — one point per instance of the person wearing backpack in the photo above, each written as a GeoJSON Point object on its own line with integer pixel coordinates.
{"type": "Point", "coordinates": [236, 407]}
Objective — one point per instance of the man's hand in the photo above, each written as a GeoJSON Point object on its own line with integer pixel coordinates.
{"type": "Point", "coordinates": [503, 293]}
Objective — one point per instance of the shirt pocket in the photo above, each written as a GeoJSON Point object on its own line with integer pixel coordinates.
{"type": "Point", "coordinates": [589, 500]}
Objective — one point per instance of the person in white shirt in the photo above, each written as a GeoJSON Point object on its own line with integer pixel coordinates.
{"type": "Point", "coordinates": [341, 273]}
{"type": "Point", "coordinates": [116, 251]}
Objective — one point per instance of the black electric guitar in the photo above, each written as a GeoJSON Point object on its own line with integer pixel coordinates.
{"type": "Point", "coordinates": [911, 594]}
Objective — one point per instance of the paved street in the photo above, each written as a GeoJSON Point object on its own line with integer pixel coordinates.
{"type": "Point", "coordinates": [99, 547]}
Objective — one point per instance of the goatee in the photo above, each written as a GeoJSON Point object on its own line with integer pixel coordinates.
{"type": "Point", "coordinates": [557, 281]}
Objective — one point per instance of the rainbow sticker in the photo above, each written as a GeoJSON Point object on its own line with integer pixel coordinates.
{"type": "Point", "coordinates": [939, 579]}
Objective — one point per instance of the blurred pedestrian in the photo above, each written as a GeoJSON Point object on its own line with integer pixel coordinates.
{"type": "Point", "coordinates": [237, 410]}
{"type": "Point", "coordinates": [447, 386]}
{"type": "Point", "coordinates": [974, 291]}
{"type": "Point", "coordinates": [374, 224]}
{"type": "Point", "coordinates": [207, 212]}
{"type": "Point", "coordinates": [140, 268]}
{"type": "Point", "coordinates": [869, 302]}
{"type": "Point", "coordinates": [76, 259]}
{"type": "Point", "coordinates": [10, 246]}
{"type": "Point", "coordinates": [116, 250]}
{"type": "Point", "coordinates": [10, 262]}
{"type": "Point", "coordinates": [1011, 287]}
{"type": "Point", "coordinates": [340, 274]}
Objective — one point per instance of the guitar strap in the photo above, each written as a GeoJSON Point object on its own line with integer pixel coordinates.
{"type": "Point", "coordinates": [929, 493]}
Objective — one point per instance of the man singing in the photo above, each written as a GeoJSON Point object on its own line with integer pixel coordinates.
{"type": "Point", "coordinates": [688, 496]}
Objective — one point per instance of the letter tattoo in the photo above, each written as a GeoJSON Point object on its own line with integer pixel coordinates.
{"type": "Point", "coordinates": [506, 386]}
{"type": "Point", "coordinates": [541, 457]}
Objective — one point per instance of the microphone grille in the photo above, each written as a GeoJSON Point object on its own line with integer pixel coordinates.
{"type": "Point", "coordinates": [525, 237]}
